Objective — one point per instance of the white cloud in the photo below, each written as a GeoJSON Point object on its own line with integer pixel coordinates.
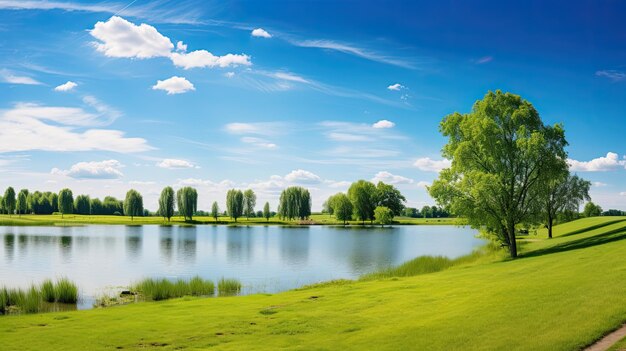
{"type": "Point", "coordinates": [106, 114]}
{"type": "Point", "coordinates": [623, 193]}
{"type": "Point", "coordinates": [484, 59]}
{"type": "Point", "coordinates": [260, 128]}
{"type": "Point", "coordinates": [290, 77]}
{"type": "Point", "coordinates": [260, 32]}
{"type": "Point", "coordinates": [141, 182]}
{"type": "Point", "coordinates": [174, 85]}
{"type": "Point", "coordinates": [303, 177]}
{"type": "Point", "coordinates": [610, 162]}
{"type": "Point", "coordinates": [222, 185]}
{"type": "Point", "coordinates": [203, 58]}
{"type": "Point", "coordinates": [613, 75]}
{"type": "Point", "coordinates": [386, 177]}
{"type": "Point", "coordinates": [8, 77]}
{"type": "Point", "coordinates": [66, 86]}
{"type": "Point", "coordinates": [340, 184]}
{"type": "Point", "coordinates": [229, 74]}
{"type": "Point", "coordinates": [180, 46]}
{"type": "Point", "coordinates": [121, 38]}
{"type": "Point", "coordinates": [262, 143]}
{"type": "Point", "coordinates": [429, 165]}
{"type": "Point", "coordinates": [172, 163]}
{"type": "Point", "coordinates": [423, 184]}
{"type": "Point", "coordinates": [35, 127]}
{"type": "Point", "coordinates": [383, 123]}
{"type": "Point", "coordinates": [599, 184]}
{"type": "Point", "coordinates": [109, 169]}
{"type": "Point", "coordinates": [396, 87]}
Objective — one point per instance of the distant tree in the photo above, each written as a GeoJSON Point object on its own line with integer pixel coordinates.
{"type": "Point", "coordinates": [342, 207]}
{"type": "Point", "coordinates": [330, 204]}
{"type": "Point", "coordinates": [266, 212]}
{"type": "Point", "coordinates": [9, 201]}
{"type": "Point", "coordinates": [187, 199]}
{"type": "Point", "coordinates": [363, 195]}
{"type": "Point", "coordinates": [564, 193]}
{"type": "Point", "coordinates": [113, 206]}
{"type": "Point", "coordinates": [234, 203]}
{"type": "Point", "coordinates": [295, 202]}
{"type": "Point", "coordinates": [426, 212]}
{"type": "Point", "coordinates": [96, 206]}
{"type": "Point", "coordinates": [22, 203]}
{"type": "Point", "coordinates": [82, 205]}
{"type": "Point", "coordinates": [249, 202]}
{"type": "Point", "coordinates": [53, 198]}
{"type": "Point", "coordinates": [501, 153]}
{"type": "Point", "coordinates": [66, 202]}
{"type": "Point", "coordinates": [215, 211]}
{"type": "Point", "coordinates": [388, 196]}
{"type": "Point", "coordinates": [613, 212]}
{"type": "Point", "coordinates": [592, 210]}
{"type": "Point", "coordinates": [166, 203]}
{"type": "Point", "coordinates": [133, 204]}
{"type": "Point", "coordinates": [383, 215]}
{"type": "Point", "coordinates": [1, 205]}
{"type": "Point", "coordinates": [411, 212]}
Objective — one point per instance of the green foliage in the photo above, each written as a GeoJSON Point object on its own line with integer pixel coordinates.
{"type": "Point", "coordinates": [266, 211]}
{"type": "Point", "coordinates": [66, 201]}
{"type": "Point", "coordinates": [388, 196]}
{"type": "Point", "coordinates": [48, 293]}
{"type": "Point", "coordinates": [187, 199]}
{"type": "Point", "coordinates": [383, 215]}
{"type": "Point", "coordinates": [295, 202]}
{"type": "Point", "coordinates": [342, 207]}
{"type": "Point", "coordinates": [249, 202]}
{"type": "Point", "coordinates": [112, 206]}
{"type": "Point", "coordinates": [8, 201]}
{"type": "Point", "coordinates": [133, 204]}
{"type": "Point", "coordinates": [501, 154]}
{"type": "Point", "coordinates": [234, 203]}
{"type": "Point", "coordinates": [363, 196]}
{"type": "Point", "coordinates": [21, 203]}
{"type": "Point", "coordinates": [82, 205]}
{"type": "Point", "coordinates": [166, 203]}
{"type": "Point", "coordinates": [215, 210]}
{"type": "Point", "coordinates": [592, 210]}
{"type": "Point", "coordinates": [31, 300]}
{"type": "Point", "coordinates": [564, 193]}
{"type": "Point", "coordinates": [228, 287]}
{"type": "Point", "coordinates": [66, 291]}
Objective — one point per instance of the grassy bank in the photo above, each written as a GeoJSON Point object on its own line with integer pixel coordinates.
{"type": "Point", "coordinates": [38, 298]}
{"type": "Point", "coordinates": [316, 219]}
{"type": "Point", "coordinates": [562, 294]}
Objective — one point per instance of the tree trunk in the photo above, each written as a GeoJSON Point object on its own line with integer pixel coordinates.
{"type": "Point", "coordinates": [549, 227]}
{"type": "Point", "coordinates": [513, 242]}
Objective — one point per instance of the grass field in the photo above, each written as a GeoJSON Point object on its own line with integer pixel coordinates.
{"type": "Point", "coordinates": [562, 294]}
{"type": "Point", "coordinates": [49, 220]}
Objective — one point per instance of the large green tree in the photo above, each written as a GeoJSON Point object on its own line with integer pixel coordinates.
{"type": "Point", "coordinates": [21, 204]}
{"type": "Point", "coordinates": [65, 201]}
{"type": "Point", "coordinates": [342, 207]}
{"type": "Point", "coordinates": [82, 205]}
{"type": "Point", "coordinates": [592, 210]}
{"type": "Point", "coordinates": [502, 154]}
{"type": "Point", "coordinates": [133, 204]}
{"type": "Point", "coordinates": [234, 203]}
{"type": "Point", "coordinates": [295, 202]}
{"type": "Point", "coordinates": [187, 199]}
{"type": "Point", "coordinates": [249, 202]}
{"type": "Point", "coordinates": [166, 203]}
{"type": "Point", "coordinates": [8, 200]}
{"type": "Point", "coordinates": [389, 196]}
{"type": "Point", "coordinates": [363, 195]}
{"type": "Point", "coordinates": [564, 193]}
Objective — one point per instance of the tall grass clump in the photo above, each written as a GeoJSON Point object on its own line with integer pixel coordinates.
{"type": "Point", "coordinates": [163, 289]}
{"type": "Point", "coordinates": [48, 293]}
{"type": "Point", "coordinates": [228, 287]}
{"type": "Point", "coordinates": [31, 302]}
{"type": "Point", "coordinates": [66, 291]}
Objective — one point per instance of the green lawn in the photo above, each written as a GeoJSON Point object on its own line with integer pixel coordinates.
{"type": "Point", "coordinates": [562, 294]}
{"type": "Point", "coordinates": [95, 219]}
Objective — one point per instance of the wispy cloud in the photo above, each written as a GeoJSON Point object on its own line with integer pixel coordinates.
{"type": "Point", "coordinates": [484, 59]}
{"type": "Point", "coordinates": [613, 75]}
{"type": "Point", "coordinates": [11, 78]}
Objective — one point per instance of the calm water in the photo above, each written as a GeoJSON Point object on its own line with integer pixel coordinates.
{"type": "Point", "coordinates": [100, 259]}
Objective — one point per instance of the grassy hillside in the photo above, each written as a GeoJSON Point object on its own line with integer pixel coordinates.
{"type": "Point", "coordinates": [562, 294]}
{"type": "Point", "coordinates": [48, 220]}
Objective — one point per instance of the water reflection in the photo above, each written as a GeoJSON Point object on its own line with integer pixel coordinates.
{"type": "Point", "coordinates": [9, 246]}
{"type": "Point", "coordinates": [134, 236]}
{"type": "Point", "coordinates": [294, 246]}
{"type": "Point", "coordinates": [166, 243]}
{"type": "Point", "coordinates": [238, 247]}
{"type": "Point", "coordinates": [186, 244]}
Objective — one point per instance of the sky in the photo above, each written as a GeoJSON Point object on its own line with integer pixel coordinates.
{"type": "Point", "coordinates": [102, 97]}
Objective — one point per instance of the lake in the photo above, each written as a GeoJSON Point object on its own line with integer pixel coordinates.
{"type": "Point", "coordinates": [101, 259]}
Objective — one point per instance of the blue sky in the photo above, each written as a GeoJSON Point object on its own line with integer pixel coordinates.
{"type": "Point", "coordinates": [103, 97]}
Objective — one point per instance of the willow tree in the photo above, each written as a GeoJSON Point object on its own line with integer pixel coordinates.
{"type": "Point", "coordinates": [234, 203]}
{"type": "Point", "coordinates": [8, 200]}
{"type": "Point", "coordinates": [82, 205]}
{"type": "Point", "coordinates": [187, 199]}
{"type": "Point", "coordinates": [295, 202]}
{"type": "Point", "coordinates": [21, 204]}
{"type": "Point", "coordinates": [215, 211]}
{"type": "Point", "coordinates": [501, 155]}
{"type": "Point", "coordinates": [249, 202]}
{"type": "Point", "coordinates": [563, 194]}
{"type": "Point", "coordinates": [133, 204]}
{"type": "Point", "coordinates": [65, 201]}
{"type": "Point", "coordinates": [166, 203]}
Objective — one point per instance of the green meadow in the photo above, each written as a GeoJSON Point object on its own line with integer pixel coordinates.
{"type": "Point", "coordinates": [561, 294]}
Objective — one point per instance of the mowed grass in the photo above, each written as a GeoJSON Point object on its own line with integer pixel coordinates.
{"type": "Point", "coordinates": [562, 294]}
{"type": "Point", "coordinates": [71, 219]}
